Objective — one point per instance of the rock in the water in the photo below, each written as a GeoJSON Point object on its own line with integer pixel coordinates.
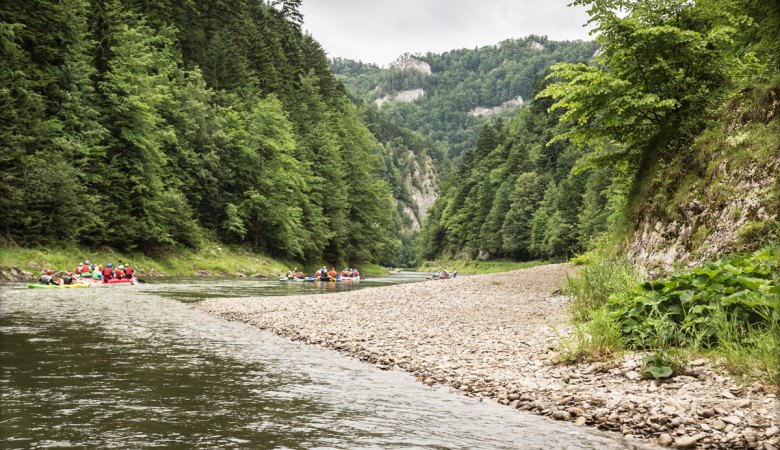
{"type": "Point", "coordinates": [561, 415]}
{"type": "Point", "coordinates": [580, 421]}
{"type": "Point", "coordinates": [772, 431]}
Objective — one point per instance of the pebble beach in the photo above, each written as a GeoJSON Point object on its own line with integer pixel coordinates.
{"type": "Point", "coordinates": [498, 337]}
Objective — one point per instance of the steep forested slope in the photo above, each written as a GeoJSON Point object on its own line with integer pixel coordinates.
{"type": "Point", "coordinates": [139, 124]}
{"type": "Point", "coordinates": [668, 139]}
{"type": "Point", "coordinates": [413, 165]}
{"type": "Point", "coordinates": [456, 89]}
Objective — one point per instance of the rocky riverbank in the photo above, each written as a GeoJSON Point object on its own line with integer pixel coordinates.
{"type": "Point", "coordinates": [13, 274]}
{"type": "Point", "coordinates": [496, 337]}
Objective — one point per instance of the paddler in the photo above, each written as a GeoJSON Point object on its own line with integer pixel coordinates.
{"type": "Point", "coordinates": [68, 279]}
{"type": "Point", "coordinates": [46, 277]}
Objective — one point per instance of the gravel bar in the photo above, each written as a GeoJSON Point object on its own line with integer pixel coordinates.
{"type": "Point", "coordinates": [497, 337]}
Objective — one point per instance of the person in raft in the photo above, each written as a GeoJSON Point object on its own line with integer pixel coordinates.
{"type": "Point", "coordinates": [108, 272]}
{"type": "Point", "coordinates": [120, 272]}
{"type": "Point", "coordinates": [67, 279]}
{"type": "Point", "coordinates": [333, 274]}
{"type": "Point", "coordinates": [97, 274]}
{"type": "Point", "coordinates": [129, 272]}
{"type": "Point", "coordinates": [46, 277]}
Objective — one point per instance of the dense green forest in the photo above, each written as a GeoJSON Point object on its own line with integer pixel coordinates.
{"type": "Point", "coordinates": [460, 81]}
{"type": "Point", "coordinates": [145, 125]}
{"type": "Point", "coordinates": [675, 91]}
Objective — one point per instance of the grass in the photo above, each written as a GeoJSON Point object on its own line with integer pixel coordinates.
{"type": "Point", "coordinates": [748, 350]}
{"type": "Point", "coordinates": [602, 274]}
{"type": "Point", "coordinates": [214, 259]}
{"type": "Point", "coordinates": [470, 267]}
{"type": "Point", "coordinates": [598, 339]}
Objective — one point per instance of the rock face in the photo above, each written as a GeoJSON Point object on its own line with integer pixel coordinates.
{"type": "Point", "coordinates": [510, 104]}
{"type": "Point", "coordinates": [11, 274]}
{"type": "Point", "coordinates": [496, 337]}
{"type": "Point", "coordinates": [410, 63]}
{"type": "Point", "coordinates": [403, 97]}
{"type": "Point", "coordinates": [711, 225]}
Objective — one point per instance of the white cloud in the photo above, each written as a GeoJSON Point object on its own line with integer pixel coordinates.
{"type": "Point", "coordinates": [380, 30]}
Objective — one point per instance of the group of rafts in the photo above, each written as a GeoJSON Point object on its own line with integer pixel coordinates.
{"type": "Point", "coordinates": [322, 274]}
{"type": "Point", "coordinates": [87, 275]}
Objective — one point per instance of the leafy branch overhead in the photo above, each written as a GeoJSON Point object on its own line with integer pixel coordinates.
{"type": "Point", "coordinates": [659, 64]}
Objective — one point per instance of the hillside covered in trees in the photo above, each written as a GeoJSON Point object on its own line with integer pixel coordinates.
{"type": "Point", "coordinates": [145, 125]}
{"type": "Point", "coordinates": [454, 91]}
{"type": "Point", "coordinates": [666, 143]}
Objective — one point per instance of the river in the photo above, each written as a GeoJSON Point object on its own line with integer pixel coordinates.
{"type": "Point", "coordinates": [138, 367]}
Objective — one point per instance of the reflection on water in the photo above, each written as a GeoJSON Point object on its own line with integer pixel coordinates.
{"type": "Point", "coordinates": [194, 289]}
{"type": "Point", "coordinates": [112, 368]}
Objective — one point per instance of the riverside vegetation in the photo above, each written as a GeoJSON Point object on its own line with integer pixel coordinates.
{"type": "Point", "coordinates": [151, 126]}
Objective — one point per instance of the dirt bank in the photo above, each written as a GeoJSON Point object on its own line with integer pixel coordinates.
{"type": "Point", "coordinates": [495, 336]}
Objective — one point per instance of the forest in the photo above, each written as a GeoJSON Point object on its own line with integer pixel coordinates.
{"type": "Point", "coordinates": [151, 125]}
{"type": "Point", "coordinates": [144, 125]}
{"type": "Point", "coordinates": [636, 134]}
{"type": "Point", "coordinates": [460, 80]}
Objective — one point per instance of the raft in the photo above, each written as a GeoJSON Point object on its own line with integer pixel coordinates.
{"type": "Point", "coordinates": [298, 280]}
{"type": "Point", "coordinates": [57, 286]}
{"type": "Point", "coordinates": [109, 282]}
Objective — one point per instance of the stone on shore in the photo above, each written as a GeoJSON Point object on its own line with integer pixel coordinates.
{"type": "Point", "coordinates": [498, 337]}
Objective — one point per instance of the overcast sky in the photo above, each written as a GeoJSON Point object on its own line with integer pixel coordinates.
{"type": "Point", "coordinates": [379, 31]}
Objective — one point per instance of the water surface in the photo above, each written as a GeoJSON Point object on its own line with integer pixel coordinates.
{"type": "Point", "coordinates": [137, 367]}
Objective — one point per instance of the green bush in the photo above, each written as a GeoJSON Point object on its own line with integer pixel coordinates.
{"type": "Point", "coordinates": [687, 308]}
{"type": "Point", "coordinates": [729, 308]}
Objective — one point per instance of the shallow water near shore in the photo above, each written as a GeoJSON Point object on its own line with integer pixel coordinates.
{"type": "Point", "coordinates": [132, 367]}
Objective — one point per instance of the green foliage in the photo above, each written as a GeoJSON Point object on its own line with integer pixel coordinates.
{"type": "Point", "coordinates": [212, 257]}
{"type": "Point", "coordinates": [461, 80]}
{"type": "Point", "coordinates": [598, 338]}
{"type": "Point", "coordinates": [149, 125]}
{"type": "Point", "coordinates": [660, 64]}
{"type": "Point", "coordinates": [603, 274]}
{"type": "Point", "coordinates": [680, 309]}
{"type": "Point", "coordinates": [661, 365]}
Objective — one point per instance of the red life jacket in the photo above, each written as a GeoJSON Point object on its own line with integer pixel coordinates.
{"type": "Point", "coordinates": [107, 272]}
{"type": "Point", "coordinates": [85, 269]}
{"type": "Point", "coordinates": [128, 270]}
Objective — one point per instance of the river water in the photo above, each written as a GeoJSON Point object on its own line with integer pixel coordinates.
{"type": "Point", "coordinates": [128, 367]}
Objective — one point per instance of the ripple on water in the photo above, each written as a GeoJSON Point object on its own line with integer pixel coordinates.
{"type": "Point", "coordinates": [110, 368]}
